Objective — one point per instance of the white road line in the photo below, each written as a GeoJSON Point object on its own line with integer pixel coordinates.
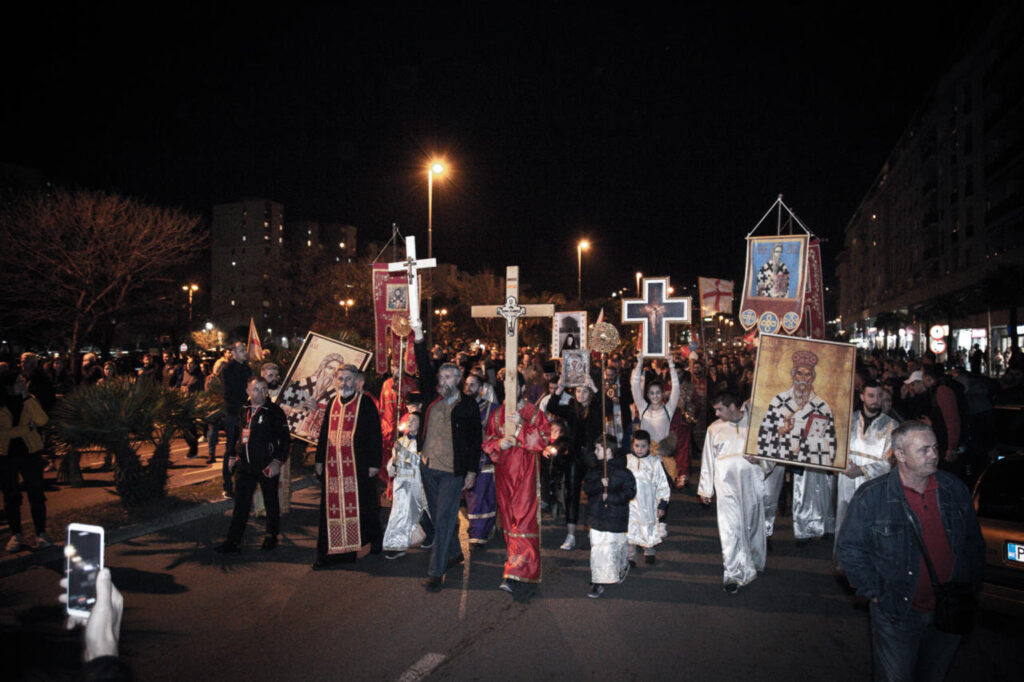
{"type": "Point", "coordinates": [421, 668]}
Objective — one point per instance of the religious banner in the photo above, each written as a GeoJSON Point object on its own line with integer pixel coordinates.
{"type": "Point", "coordinates": [715, 296]}
{"type": "Point", "coordinates": [568, 332]}
{"type": "Point", "coordinates": [575, 368]}
{"type": "Point", "coordinates": [391, 301]}
{"type": "Point", "coordinates": [813, 326]}
{"type": "Point", "coordinates": [311, 382]}
{"type": "Point", "coordinates": [775, 283]}
{"type": "Point", "coordinates": [654, 312]}
{"type": "Point", "coordinates": [254, 349]}
{"type": "Point", "coordinates": [802, 402]}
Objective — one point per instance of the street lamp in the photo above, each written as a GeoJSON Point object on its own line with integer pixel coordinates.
{"type": "Point", "coordinates": [436, 168]}
{"type": "Point", "coordinates": [638, 276]}
{"type": "Point", "coordinates": [346, 304]}
{"type": "Point", "coordinates": [581, 246]}
{"type": "Point", "coordinates": [191, 289]}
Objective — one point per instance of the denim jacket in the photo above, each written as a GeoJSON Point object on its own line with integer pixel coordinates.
{"type": "Point", "coordinates": [880, 554]}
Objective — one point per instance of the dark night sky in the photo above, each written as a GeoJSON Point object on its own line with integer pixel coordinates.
{"type": "Point", "coordinates": [662, 136]}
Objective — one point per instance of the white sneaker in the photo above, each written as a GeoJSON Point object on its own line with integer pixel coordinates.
{"type": "Point", "coordinates": [569, 544]}
{"type": "Point", "coordinates": [15, 544]}
{"type": "Point", "coordinates": [43, 541]}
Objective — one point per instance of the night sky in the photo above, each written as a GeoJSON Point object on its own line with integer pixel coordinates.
{"type": "Point", "coordinates": [661, 136]}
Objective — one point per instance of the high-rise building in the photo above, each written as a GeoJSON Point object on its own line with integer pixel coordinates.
{"type": "Point", "coordinates": [247, 249]}
{"type": "Point", "coordinates": [946, 212]}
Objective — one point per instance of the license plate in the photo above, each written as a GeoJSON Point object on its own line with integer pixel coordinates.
{"type": "Point", "coordinates": [1015, 552]}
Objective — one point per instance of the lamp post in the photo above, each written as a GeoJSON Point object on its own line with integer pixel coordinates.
{"type": "Point", "coordinates": [639, 275]}
{"type": "Point", "coordinates": [581, 246]}
{"type": "Point", "coordinates": [435, 168]}
{"type": "Point", "coordinates": [191, 289]}
{"type": "Point", "coordinates": [346, 304]}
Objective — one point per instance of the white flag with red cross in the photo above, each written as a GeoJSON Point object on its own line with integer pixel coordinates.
{"type": "Point", "coordinates": [715, 296]}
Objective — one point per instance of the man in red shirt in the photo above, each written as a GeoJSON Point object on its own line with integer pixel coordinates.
{"type": "Point", "coordinates": [879, 551]}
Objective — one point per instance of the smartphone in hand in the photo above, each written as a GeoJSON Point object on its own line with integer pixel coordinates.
{"type": "Point", "coordinates": [83, 555]}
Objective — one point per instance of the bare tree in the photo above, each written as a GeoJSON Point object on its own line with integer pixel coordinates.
{"type": "Point", "coordinates": [72, 259]}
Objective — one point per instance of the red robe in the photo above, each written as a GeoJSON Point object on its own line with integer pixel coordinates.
{"type": "Point", "coordinates": [389, 415]}
{"type": "Point", "coordinates": [517, 484]}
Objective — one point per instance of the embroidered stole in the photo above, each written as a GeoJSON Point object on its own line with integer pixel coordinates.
{"type": "Point", "coordinates": [341, 488]}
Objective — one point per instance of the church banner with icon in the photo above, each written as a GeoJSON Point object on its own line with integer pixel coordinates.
{"type": "Point", "coordinates": [391, 319]}
{"type": "Point", "coordinates": [568, 332]}
{"type": "Point", "coordinates": [813, 326]}
{"type": "Point", "coordinates": [802, 402]}
{"type": "Point", "coordinates": [775, 283]}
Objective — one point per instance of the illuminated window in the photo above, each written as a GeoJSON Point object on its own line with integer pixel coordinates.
{"type": "Point", "coordinates": [309, 243]}
{"type": "Point", "coordinates": [233, 263]}
{"type": "Point", "coordinates": [232, 301]}
{"type": "Point", "coordinates": [243, 237]}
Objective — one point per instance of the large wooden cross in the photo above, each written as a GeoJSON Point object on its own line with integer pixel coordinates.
{"type": "Point", "coordinates": [511, 312]}
{"type": "Point", "coordinates": [411, 265]}
{"type": "Point", "coordinates": [655, 310]}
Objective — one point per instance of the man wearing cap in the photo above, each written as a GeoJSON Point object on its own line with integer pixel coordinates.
{"type": "Point", "coordinates": [799, 427]}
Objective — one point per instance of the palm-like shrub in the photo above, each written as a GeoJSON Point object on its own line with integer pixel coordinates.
{"type": "Point", "coordinates": [120, 416]}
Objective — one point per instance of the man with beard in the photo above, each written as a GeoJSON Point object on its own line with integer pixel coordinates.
{"type": "Point", "coordinates": [261, 450]}
{"type": "Point", "coordinates": [773, 276]}
{"type": "Point", "coordinates": [515, 456]}
{"type": "Point", "coordinates": [870, 435]}
{"type": "Point", "coordinates": [799, 427]}
{"type": "Point", "coordinates": [347, 460]}
{"type": "Point", "coordinates": [450, 455]}
{"type": "Point", "coordinates": [271, 373]}
{"type": "Point", "coordinates": [480, 499]}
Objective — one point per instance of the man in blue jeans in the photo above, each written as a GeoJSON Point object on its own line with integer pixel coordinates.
{"type": "Point", "coordinates": [879, 551]}
{"type": "Point", "coordinates": [450, 452]}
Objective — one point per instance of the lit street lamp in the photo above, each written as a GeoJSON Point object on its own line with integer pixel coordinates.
{"type": "Point", "coordinates": [581, 246]}
{"type": "Point", "coordinates": [191, 289]}
{"type": "Point", "coordinates": [346, 304]}
{"type": "Point", "coordinates": [435, 168]}
{"type": "Point", "coordinates": [638, 276]}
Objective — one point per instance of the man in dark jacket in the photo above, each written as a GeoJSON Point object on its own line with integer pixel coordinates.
{"type": "Point", "coordinates": [235, 379]}
{"type": "Point", "coordinates": [452, 439]}
{"type": "Point", "coordinates": [260, 452]}
{"type": "Point", "coordinates": [879, 550]}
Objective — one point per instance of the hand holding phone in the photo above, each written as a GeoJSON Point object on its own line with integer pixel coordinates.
{"type": "Point", "coordinates": [103, 626]}
{"type": "Point", "coordinates": [83, 554]}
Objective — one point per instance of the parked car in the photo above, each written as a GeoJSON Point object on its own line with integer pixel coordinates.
{"type": "Point", "coordinates": [999, 504]}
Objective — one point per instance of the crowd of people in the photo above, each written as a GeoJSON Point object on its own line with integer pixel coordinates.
{"type": "Point", "coordinates": [437, 439]}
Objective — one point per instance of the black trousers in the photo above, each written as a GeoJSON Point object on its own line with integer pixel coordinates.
{"type": "Point", "coordinates": [245, 485]}
{"type": "Point", "coordinates": [574, 474]}
{"type": "Point", "coordinates": [30, 469]}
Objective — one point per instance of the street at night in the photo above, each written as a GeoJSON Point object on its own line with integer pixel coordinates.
{"type": "Point", "coordinates": [190, 612]}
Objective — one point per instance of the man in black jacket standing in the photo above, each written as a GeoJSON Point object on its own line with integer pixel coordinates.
{"type": "Point", "coordinates": [452, 438]}
{"type": "Point", "coordinates": [261, 450]}
{"type": "Point", "coordinates": [236, 379]}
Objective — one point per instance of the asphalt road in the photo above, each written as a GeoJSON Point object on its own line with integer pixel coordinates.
{"type": "Point", "coordinates": [193, 614]}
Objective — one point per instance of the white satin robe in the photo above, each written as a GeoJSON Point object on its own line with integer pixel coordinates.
{"type": "Point", "coordinates": [645, 529]}
{"type": "Point", "coordinates": [408, 499]}
{"type": "Point", "coordinates": [814, 504]}
{"type": "Point", "coordinates": [868, 448]}
{"type": "Point", "coordinates": [740, 488]}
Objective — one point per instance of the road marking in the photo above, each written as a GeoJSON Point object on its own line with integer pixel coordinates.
{"type": "Point", "coordinates": [421, 668]}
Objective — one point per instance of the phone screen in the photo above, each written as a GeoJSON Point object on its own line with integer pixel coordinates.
{"type": "Point", "coordinates": [84, 552]}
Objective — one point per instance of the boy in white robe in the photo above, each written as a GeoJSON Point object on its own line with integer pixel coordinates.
{"type": "Point", "coordinates": [408, 500]}
{"type": "Point", "coordinates": [646, 510]}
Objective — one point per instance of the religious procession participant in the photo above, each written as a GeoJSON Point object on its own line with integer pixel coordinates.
{"type": "Point", "coordinates": [347, 459]}
{"type": "Point", "coordinates": [260, 452]}
{"type": "Point", "coordinates": [389, 403]}
{"type": "Point", "coordinates": [582, 415]}
{"type": "Point", "coordinates": [516, 470]}
{"type": "Point", "coordinates": [409, 500]}
{"type": "Point", "coordinates": [647, 510]}
{"type": "Point", "coordinates": [799, 426]}
{"type": "Point", "coordinates": [481, 500]}
{"type": "Point", "coordinates": [870, 434]}
{"type": "Point", "coordinates": [608, 496]}
{"type": "Point", "coordinates": [271, 373]}
{"type": "Point", "coordinates": [452, 438]}
{"type": "Point", "coordinates": [655, 413]}
{"type": "Point", "coordinates": [739, 481]}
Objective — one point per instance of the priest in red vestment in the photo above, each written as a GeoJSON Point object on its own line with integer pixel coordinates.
{"type": "Point", "coordinates": [516, 471]}
{"type": "Point", "coordinates": [348, 456]}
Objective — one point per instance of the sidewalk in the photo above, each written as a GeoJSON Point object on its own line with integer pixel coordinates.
{"type": "Point", "coordinates": [98, 488]}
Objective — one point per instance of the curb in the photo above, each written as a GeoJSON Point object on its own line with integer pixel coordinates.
{"type": "Point", "coordinates": [55, 554]}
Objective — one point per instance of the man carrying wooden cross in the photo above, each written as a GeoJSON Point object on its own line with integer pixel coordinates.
{"type": "Point", "coordinates": [517, 433]}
